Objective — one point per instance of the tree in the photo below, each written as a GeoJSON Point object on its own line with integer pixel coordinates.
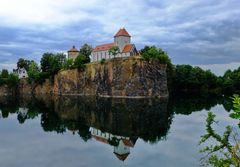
{"type": "Point", "coordinates": [34, 72]}
{"type": "Point", "coordinates": [22, 63]}
{"type": "Point", "coordinates": [5, 73]}
{"type": "Point", "coordinates": [13, 80]}
{"type": "Point", "coordinates": [52, 63]}
{"type": "Point", "coordinates": [68, 64]}
{"type": "Point", "coordinates": [86, 50]}
{"type": "Point", "coordinates": [80, 62]}
{"type": "Point", "coordinates": [224, 152]}
{"type": "Point", "coordinates": [114, 51]}
{"type": "Point", "coordinates": [46, 62]}
{"type": "Point", "coordinates": [152, 52]}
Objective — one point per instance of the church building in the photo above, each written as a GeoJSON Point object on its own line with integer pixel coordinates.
{"type": "Point", "coordinates": [122, 40]}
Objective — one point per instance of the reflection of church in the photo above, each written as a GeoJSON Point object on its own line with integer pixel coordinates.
{"type": "Point", "coordinates": [121, 144]}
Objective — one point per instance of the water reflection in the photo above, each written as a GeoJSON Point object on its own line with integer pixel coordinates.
{"type": "Point", "coordinates": [116, 122]}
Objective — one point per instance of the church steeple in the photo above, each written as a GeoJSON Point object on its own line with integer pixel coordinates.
{"type": "Point", "coordinates": [122, 38]}
{"type": "Point", "coordinates": [122, 32]}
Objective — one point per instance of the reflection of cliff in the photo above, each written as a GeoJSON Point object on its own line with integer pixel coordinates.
{"type": "Point", "coordinates": [118, 122]}
{"type": "Point", "coordinates": [145, 118]}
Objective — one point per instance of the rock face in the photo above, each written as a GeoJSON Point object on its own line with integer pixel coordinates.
{"type": "Point", "coordinates": [25, 88]}
{"type": "Point", "coordinates": [6, 91]}
{"type": "Point", "coordinates": [131, 78]}
{"type": "Point", "coordinates": [116, 78]}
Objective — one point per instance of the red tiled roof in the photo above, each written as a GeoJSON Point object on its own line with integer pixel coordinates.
{"type": "Point", "coordinates": [127, 48]}
{"type": "Point", "coordinates": [127, 142]}
{"type": "Point", "coordinates": [121, 157]}
{"type": "Point", "coordinates": [122, 32]}
{"type": "Point", "coordinates": [73, 49]}
{"type": "Point", "coordinates": [103, 140]}
{"type": "Point", "coordinates": [103, 47]}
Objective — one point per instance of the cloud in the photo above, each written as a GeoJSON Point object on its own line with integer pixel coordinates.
{"type": "Point", "coordinates": [195, 32]}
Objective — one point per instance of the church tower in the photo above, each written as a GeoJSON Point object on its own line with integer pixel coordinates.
{"type": "Point", "coordinates": [122, 38]}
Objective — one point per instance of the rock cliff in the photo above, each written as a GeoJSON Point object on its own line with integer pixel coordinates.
{"type": "Point", "coordinates": [6, 91]}
{"type": "Point", "coordinates": [132, 78]}
{"type": "Point", "coordinates": [116, 78]}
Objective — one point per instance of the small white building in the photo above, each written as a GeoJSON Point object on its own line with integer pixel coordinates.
{"type": "Point", "coordinates": [122, 39]}
{"type": "Point", "coordinates": [21, 72]}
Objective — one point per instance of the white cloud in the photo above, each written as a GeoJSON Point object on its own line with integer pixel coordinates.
{"type": "Point", "coordinates": [219, 69]}
{"type": "Point", "coordinates": [177, 25]}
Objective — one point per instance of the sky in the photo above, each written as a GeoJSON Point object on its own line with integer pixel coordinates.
{"type": "Point", "coordinates": [193, 32]}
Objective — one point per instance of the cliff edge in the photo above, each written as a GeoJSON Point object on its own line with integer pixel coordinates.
{"type": "Point", "coordinates": [116, 78]}
{"type": "Point", "coordinates": [128, 78]}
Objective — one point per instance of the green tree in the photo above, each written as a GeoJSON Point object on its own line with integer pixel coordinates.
{"type": "Point", "coordinates": [225, 152]}
{"type": "Point", "coordinates": [52, 63]}
{"type": "Point", "coordinates": [86, 50]}
{"type": "Point", "coordinates": [80, 62]}
{"type": "Point", "coordinates": [152, 52]}
{"type": "Point", "coordinates": [22, 63]}
{"type": "Point", "coordinates": [13, 80]}
{"type": "Point", "coordinates": [68, 64]}
{"type": "Point", "coordinates": [34, 72]}
{"type": "Point", "coordinates": [5, 73]}
{"type": "Point", "coordinates": [236, 105]}
{"type": "Point", "coordinates": [114, 51]}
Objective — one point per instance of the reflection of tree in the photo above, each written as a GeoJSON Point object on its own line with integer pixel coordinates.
{"type": "Point", "coordinates": [186, 104]}
{"type": "Point", "coordinates": [226, 149]}
{"type": "Point", "coordinates": [149, 119]}
{"type": "Point", "coordinates": [144, 118]}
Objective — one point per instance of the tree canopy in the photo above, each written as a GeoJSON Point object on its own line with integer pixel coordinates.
{"type": "Point", "coordinates": [86, 51]}
{"type": "Point", "coordinates": [114, 51]}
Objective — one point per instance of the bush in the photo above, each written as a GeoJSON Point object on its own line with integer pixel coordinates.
{"type": "Point", "coordinates": [68, 64]}
{"type": "Point", "coordinates": [103, 61]}
{"type": "Point", "coordinates": [152, 52]}
{"type": "Point", "coordinates": [79, 62]}
{"type": "Point", "coordinates": [4, 73]}
{"type": "Point", "coordinates": [11, 79]}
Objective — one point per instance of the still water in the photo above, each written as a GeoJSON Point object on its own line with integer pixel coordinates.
{"type": "Point", "coordinates": [89, 131]}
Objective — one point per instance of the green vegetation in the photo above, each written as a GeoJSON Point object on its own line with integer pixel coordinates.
{"type": "Point", "coordinates": [103, 61]}
{"type": "Point", "coordinates": [231, 81]}
{"type": "Point", "coordinates": [236, 105]}
{"type": "Point", "coordinates": [51, 64]}
{"type": "Point", "coordinates": [226, 148]}
{"type": "Point", "coordinates": [80, 62]}
{"type": "Point", "coordinates": [86, 51]}
{"type": "Point", "coordinates": [22, 63]}
{"type": "Point", "coordinates": [68, 64]}
{"type": "Point", "coordinates": [187, 78]}
{"type": "Point", "coordinates": [9, 79]}
{"type": "Point", "coordinates": [194, 79]}
{"type": "Point", "coordinates": [114, 51]}
{"type": "Point", "coordinates": [152, 52]}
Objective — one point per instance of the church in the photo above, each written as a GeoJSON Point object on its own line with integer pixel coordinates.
{"type": "Point", "coordinates": [122, 40]}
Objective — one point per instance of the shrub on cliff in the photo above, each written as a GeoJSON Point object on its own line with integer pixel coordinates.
{"type": "Point", "coordinates": [68, 64]}
{"type": "Point", "coordinates": [79, 62]}
{"type": "Point", "coordinates": [11, 80]}
{"type": "Point", "coordinates": [23, 63]}
{"type": "Point", "coordinates": [4, 73]}
{"type": "Point", "coordinates": [51, 64]}
{"type": "Point", "coordinates": [86, 51]}
{"type": "Point", "coordinates": [103, 61]}
{"type": "Point", "coordinates": [114, 51]}
{"type": "Point", "coordinates": [152, 52]}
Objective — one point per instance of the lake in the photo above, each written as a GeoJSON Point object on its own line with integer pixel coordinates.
{"type": "Point", "coordinates": [89, 131]}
